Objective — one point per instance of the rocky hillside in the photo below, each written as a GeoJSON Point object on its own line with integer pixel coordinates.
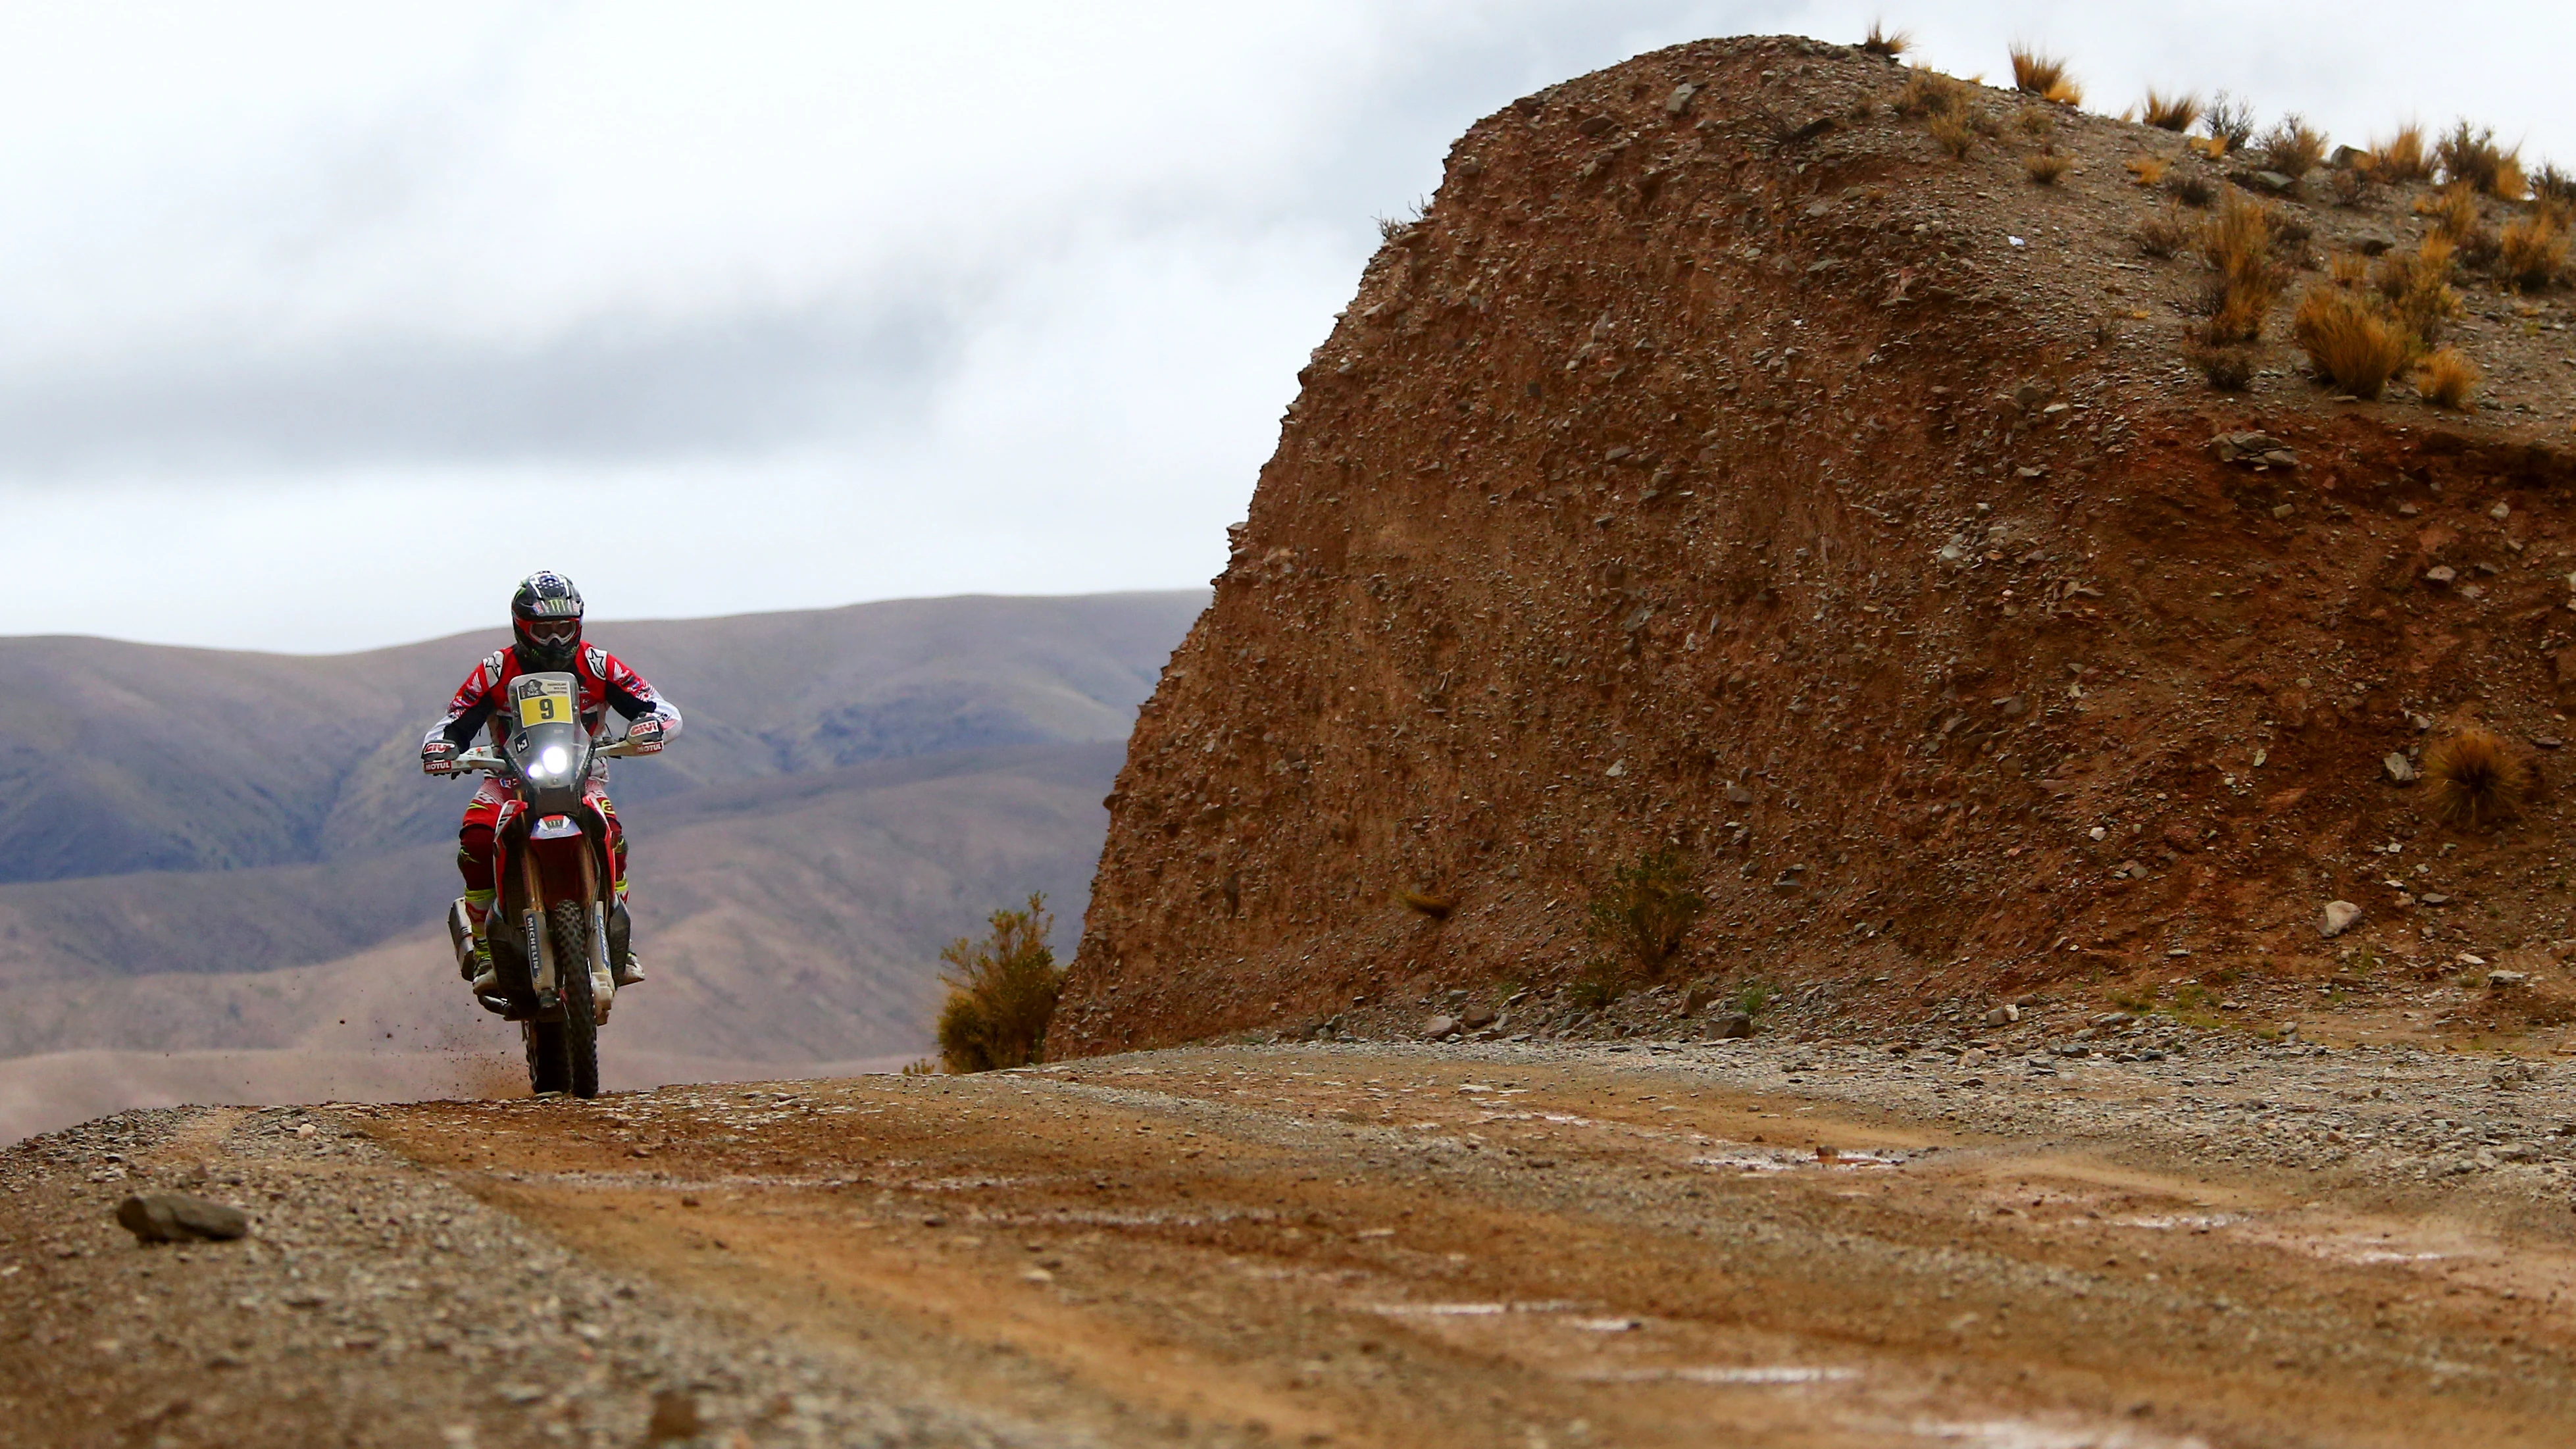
{"type": "Point", "coordinates": [1724, 466]}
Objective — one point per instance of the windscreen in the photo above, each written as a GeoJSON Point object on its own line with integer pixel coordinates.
{"type": "Point", "coordinates": [546, 740]}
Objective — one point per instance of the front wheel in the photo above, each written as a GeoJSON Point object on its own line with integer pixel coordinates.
{"type": "Point", "coordinates": [563, 1056]}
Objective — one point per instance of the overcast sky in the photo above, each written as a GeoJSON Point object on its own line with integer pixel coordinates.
{"type": "Point", "coordinates": [321, 324]}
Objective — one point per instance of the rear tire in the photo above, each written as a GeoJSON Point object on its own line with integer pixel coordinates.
{"type": "Point", "coordinates": [579, 1031]}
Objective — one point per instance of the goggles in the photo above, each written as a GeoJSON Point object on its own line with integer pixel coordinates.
{"type": "Point", "coordinates": [552, 631]}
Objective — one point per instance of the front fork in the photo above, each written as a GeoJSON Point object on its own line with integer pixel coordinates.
{"type": "Point", "coordinates": [603, 981]}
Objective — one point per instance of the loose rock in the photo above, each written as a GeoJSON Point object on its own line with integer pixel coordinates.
{"type": "Point", "coordinates": [175, 1217]}
{"type": "Point", "coordinates": [2340, 916]}
{"type": "Point", "coordinates": [1438, 1027]}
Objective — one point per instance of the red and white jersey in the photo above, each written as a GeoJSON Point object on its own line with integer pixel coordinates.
{"type": "Point", "coordinates": [606, 684]}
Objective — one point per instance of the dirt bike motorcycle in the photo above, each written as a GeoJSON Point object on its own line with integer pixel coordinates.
{"type": "Point", "coordinates": [549, 923]}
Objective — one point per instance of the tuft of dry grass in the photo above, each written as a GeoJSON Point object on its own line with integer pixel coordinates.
{"type": "Point", "coordinates": [1955, 134]}
{"type": "Point", "coordinates": [2453, 210]}
{"type": "Point", "coordinates": [2170, 113]}
{"type": "Point", "coordinates": [2469, 155]}
{"type": "Point", "coordinates": [2447, 379]}
{"type": "Point", "coordinates": [2045, 168]}
{"type": "Point", "coordinates": [2237, 244]}
{"type": "Point", "coordinates": [2293, 147]}
{"type": "Point", "coordinates": [2417, 285]}
{"type": "Point", "coordinates": [2350, 342]}
{"type": "Point", "coordinates": [1885, 42]}
{"type": "Point", "coordinates": [2401, 158]}
{"type": "Point", "coordinates": [1428, 903]}
{"type": "Point", "coordinates": [2037, 73]}
{"type": "Point", "coordinates": [2166, 233]}
{"type": "Point", "coordinates": [2190, 188]}
{"type": "Point", "coordinates": [2225, 369]}
{"type": "Point", "coordinates": [2533, 250]}
{"type": "Point", "coordinates": [2553, 187]}
{"type": "Point", "coordinates": [2036, 122]}
{"type": "Point", "coordinates": [2229, 124]}
{"type": "Point", "coordinates": [1928, 92]}
{"type": "Point", "coordinates": [2474, 779]}
{"type": "Point", "coordinates": [2145, 170]}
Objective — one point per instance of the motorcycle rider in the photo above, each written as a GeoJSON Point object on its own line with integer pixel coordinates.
{"type": "Point", "coordinates": [545, 617]}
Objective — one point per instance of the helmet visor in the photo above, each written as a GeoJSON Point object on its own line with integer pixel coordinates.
{"type": "Point", "coordinates": [552, 631]}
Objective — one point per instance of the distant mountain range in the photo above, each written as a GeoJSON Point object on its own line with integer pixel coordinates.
{"type": "Point", "coordinates": [208, 852]}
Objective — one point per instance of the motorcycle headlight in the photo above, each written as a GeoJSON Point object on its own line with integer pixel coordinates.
{"type": "Point", "coordinates": [553, 761]}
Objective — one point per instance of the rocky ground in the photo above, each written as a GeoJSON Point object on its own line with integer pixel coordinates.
{"type": "Point", "coordinates": [2152, 1235]}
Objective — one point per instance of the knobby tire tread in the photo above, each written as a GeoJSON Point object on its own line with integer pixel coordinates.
{"type": "Point", "coordinates": [580, 1030]}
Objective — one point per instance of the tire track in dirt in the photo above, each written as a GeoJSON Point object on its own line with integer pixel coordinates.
{"type": "Point", "coordinates": [1348, 1245]}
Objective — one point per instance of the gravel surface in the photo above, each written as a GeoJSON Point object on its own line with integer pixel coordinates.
{"type": "Point", "coordinates": [2217, 1242]}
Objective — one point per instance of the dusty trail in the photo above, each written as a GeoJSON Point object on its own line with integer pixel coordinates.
{"type": "Point", "coordinates": [1356, 1245]}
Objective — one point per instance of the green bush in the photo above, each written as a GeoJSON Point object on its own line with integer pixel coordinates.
{"type": "Point", "coordinates": [1638, 923]}
{"type": "Point", "coordinates": [1000, 1002]}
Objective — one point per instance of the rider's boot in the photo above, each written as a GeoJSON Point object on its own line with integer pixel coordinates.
{"type": "Point", "coordinates": [621, 948]}
{"type": "Point", "coordinates": [471, 921]}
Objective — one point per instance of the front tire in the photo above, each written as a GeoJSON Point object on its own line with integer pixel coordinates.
{"type": "Point", "coordinates": [580, 1026]}
{"type": "Point", "coordinates": [563, 1056]}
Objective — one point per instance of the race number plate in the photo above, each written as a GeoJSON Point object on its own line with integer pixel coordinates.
{"type": "Point", "coordinates": [544, 701]}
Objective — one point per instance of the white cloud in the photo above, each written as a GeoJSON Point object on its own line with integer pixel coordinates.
{"type": "Point", "coordinates": [799, 304]}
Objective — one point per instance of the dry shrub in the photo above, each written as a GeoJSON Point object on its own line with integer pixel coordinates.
{"type": "Point", "coordinates": [2401, 158]}
{"type": "Point", "coordinates": [2036, 123]}
{"type": "Point", "coordinates": [2044, 167]}
{"type": "Point", "coordinates": [998, 1008]}
{"type": "Point", "coordinates": [1638, 922]}
{"type": "Point", "coordinates": [2293, 147]}
{"type": "Point", "coordinates": [2225, 369]}
{"type": "Point", "coordinates": [2190, 188]}
{"type": "Point", "coordinates": [2350, 341]}
{"type": "Point", "coordinates": [2352, 185]}
{"type": "Point", "coordinates": [1428, 903]}
{"type": "Point", "coordinates": [2534, 250]}
{"type": "Point", "coordinates": [1930, 93]}
{"type": "Point", "coordinates": [2170, 113]}
{"type": "Point", "coordinates": [2237, 242]}
{"type": "Point", "coordinates": [2037, 73]}
{"type": "Point", "coordinates": [2474, 779]}
{"type": "Point", "coordinates": [1885, 42]}
{"type": "Point", "coordinates": [2166, 233]}
{"type": "Point", "coordinates": [2417, 285]}
{"type": "Point", "coordinates": [2145, 170]}
{"type": "Point", "coordinates": [2229, 123]}
{"type": "Point", "coordinates": [2447, 379]}
{"type": "Point", "coordinates": [2553, 187]}
{"type": "Point", "coordinates": [2453, 210]}
{"type": "Point", "coordinates": [1954, 135]}
{"type": "Point", "coordinates": [2469, 156]}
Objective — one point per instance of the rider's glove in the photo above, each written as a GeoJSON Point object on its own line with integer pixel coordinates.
{"type": "Point", "coordinates": [645, 735]}
{"type": "Point", "coordinates": [438, 757]}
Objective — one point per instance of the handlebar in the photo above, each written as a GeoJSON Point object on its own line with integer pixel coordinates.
{"type": "Point", "coordinates": [490, 761]}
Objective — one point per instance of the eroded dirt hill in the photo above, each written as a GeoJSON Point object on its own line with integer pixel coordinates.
{"type": "Point", "coordinates": [1720, 464]}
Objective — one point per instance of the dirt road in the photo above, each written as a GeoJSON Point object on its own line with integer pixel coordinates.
{"type": "Point", "coordinates": [1748, 1243]}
